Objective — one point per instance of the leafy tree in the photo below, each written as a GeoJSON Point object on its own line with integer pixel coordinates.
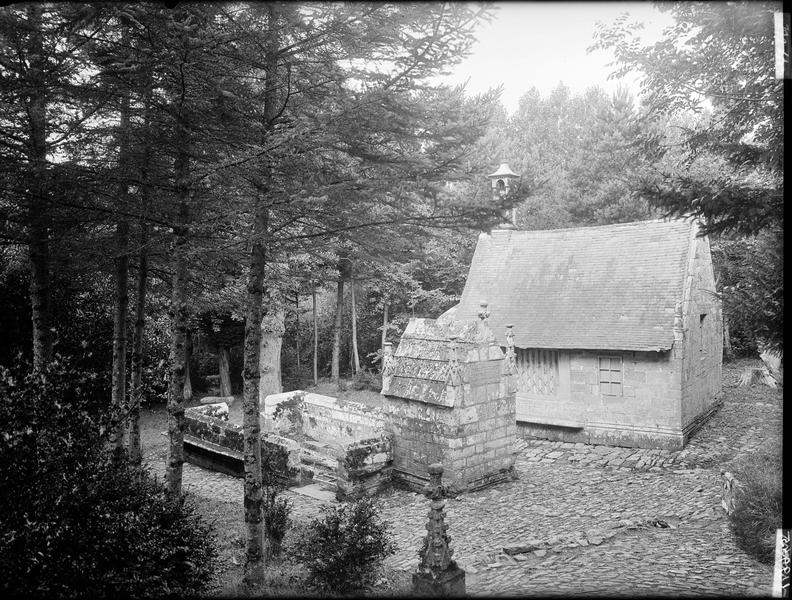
{"type": "Point", "coordinates": [344, 546]}
{"type": "Point", "coordinates": [47, 99]}
{"type": "Point", "coordinates": [578, 156]}
{"type": "Point", "coordinates": [343, 117]}
{"type": "Point", "coordinates": [74, 522]}
{"type": "Point", "coordinates": [721, 54]}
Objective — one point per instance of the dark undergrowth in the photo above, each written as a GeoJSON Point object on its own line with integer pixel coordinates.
{"type": "Point", "coordinates": [757, 513]}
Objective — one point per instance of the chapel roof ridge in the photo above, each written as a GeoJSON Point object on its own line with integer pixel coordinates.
{"type": "Point", "coordinates": [685, 220]}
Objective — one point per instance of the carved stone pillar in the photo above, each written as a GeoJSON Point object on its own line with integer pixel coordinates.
{"type": "Point", "coordinates": [438, 574]}
{"type": "Point", "coordinates": [387, 367]}
{"type": "Point", "coordinates": [484, 313]}
{"type": "Point", "coordinates": [509, 370]}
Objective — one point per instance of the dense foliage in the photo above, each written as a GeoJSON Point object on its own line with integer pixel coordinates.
{"type": "Point", "coordinates": [343, 548]}
{"type": "Point", "coordinates": [241, 159]}
{"type": "Point", "coordinates": [579, 156]}
{"type": "Point", "coordinates": [759, 507]}
{"type": "Point", "coordinates": [75, 522]}
{"type": "Point", "coordinates": [726, 165]}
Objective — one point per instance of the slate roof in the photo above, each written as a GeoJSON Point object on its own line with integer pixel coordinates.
{"type": "Point", "coordinates": [612, 287]}
{"type": "Point", "coordinates": [421, 360]}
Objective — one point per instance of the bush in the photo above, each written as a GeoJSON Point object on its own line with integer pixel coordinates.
{"type": "Point", "coordinates": [276, 508]}
{"type": "Point", "coordinates": [366, 380]}
{"type": "Point", "coordinates": [276, 519]}
{"type": "Point", "coordinates": [344, 547]}
{"type": "Point", "coordinates": [757, 512]}
{"type": "Point", "coordinates": [75, 522]}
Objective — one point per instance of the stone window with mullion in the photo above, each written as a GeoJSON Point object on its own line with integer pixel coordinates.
{"type": "Point", "coordinates": [610, 375]}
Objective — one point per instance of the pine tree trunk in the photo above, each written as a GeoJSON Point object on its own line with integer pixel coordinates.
{"type": "Point", "coordinates": [118, 401]}
{"type": "Point", "coordinates": [727, 346]}
{"type": "Point", "coordinates": [356, 365]}
{"type": "Point", "coordinates": [251, 425]}
{"type": "Point", "coordinates": [384, 329]}
{"type": "Point", "coordinates": [188, 391]}
{"type": "Point", "coordinates": [178, 355]}
{"type": "Point", "coordinates": [225, 371]}
{"type": "Point", "coordinates": [297, 336]}
{"type": "Point", "coordinates": [118, 398]}
{"type": "Point", "coordinates": [38, 218]}
{"type": "Point", "coordinates": [136, 386]}
{"type": "Point", "coordinates": [335, 370]}
{"type": "Point", "coordinates": [178, 315]}
{"type": "Point", "coordinates": [40, 292]}
{"type": "Point", "coordinates": [315, 340]}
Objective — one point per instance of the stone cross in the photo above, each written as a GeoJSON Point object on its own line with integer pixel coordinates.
{"type": "Point", "coordinates": [438, 574]}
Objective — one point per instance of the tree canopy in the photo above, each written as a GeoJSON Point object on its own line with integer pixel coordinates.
{"type": "Point", "coordinates": [721, 55]}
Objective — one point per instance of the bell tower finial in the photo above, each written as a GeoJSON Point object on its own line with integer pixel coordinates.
{"type": "Point", "coordinates": [503, 180]}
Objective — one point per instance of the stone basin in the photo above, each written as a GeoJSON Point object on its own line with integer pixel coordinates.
{"type": "Point", "coordinates": [305, 438]}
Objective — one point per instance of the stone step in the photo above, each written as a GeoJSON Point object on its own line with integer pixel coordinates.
{"type": "Point", "coordinates": [318, 491]}
{"type": "Point", "coordinates": [310, 456]}
{"type": "Point", "coordinates": [319, 473]}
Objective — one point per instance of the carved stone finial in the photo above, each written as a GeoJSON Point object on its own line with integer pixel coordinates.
{"type": "Point", "coordinates": [434, 488]}
{"type": "Point", "coordinates": [438, 574]}
{"type": "Point", "coordinates": [436, 551]}
{"type": "Point", "coordinates": [510, 361]}
{"type": "Point", "coordinates": [387, 367]}
{"type": "Point", "coordinates": [483, 313]}
{"type": "Point", "coordinates": [454, 370]}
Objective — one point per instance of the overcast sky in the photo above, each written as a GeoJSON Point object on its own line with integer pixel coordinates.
{"type": "Point", "coordinates": [541, 43]}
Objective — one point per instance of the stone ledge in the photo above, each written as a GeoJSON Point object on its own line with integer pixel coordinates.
{"type": "Point", "coordinates": [590, 537]}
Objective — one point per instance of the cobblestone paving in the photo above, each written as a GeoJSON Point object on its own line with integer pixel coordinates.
{"type": "Point", "coordinates": [582, 519]}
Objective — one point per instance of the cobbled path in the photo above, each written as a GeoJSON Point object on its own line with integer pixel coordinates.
{"type": "Point", "coordinates": [587, 520]}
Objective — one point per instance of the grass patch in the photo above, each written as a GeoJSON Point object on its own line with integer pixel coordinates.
{"type": "Point", "coordinates": [226, 519]}
{"type": "Point", "coordinates": [757, 512]}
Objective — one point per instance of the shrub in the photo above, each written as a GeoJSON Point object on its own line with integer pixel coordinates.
{"type": "Point", "coordinates": [366, 380]}
{"type": "Point", "coordinates": [276, 520]}
{"type": "Point", "coordinates": [75, 522]}
{"type": "Point", "coordinates": [276, 508]}
{"type": "Point", "coordinates": [757, 512]}
{"type": "Point", "coordinates": [344, 547]}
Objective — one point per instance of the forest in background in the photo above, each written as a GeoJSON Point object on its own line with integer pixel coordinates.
{"type": "Point", "coordinates": [179, 185]}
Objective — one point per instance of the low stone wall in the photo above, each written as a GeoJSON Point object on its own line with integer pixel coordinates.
{"type": "Point", "coordinates": [212, 442]}
{"type": "Point", "coordinates": [321, 418]}
{"type": "Point", "coordinates": [359, 467]}
{"type": "Point", "coordinates": [326, 420]}
{"type": "Point", "coordinates": [365, 469]}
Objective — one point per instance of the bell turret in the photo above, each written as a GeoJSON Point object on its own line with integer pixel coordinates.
{"type": "Point", "coordinates": [504, 180]}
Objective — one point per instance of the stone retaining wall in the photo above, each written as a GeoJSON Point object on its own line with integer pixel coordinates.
{"type": "Point", "coordinates": [213, 442]}
{"type": "Point", "coordinates": [365, 469]}
{"type": "Point", "coordinates": [322, 418]}
{"type": "Point", "coordinates": [360, 467]}
{"type": "Point", "coordinates": [326, 420]}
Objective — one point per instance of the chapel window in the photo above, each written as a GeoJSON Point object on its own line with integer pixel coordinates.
{"type": "Point", "coordinates": [610, 375]}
